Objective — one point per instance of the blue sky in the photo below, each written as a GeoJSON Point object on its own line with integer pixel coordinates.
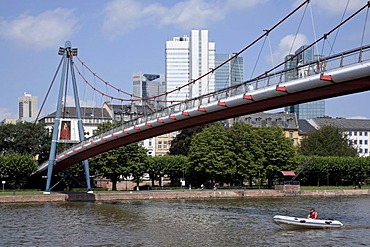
{"type": "Point", "coordinates": [119, 37]}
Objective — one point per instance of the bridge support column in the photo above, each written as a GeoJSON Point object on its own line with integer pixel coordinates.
{"type": "Point", "coordinates": [67, 53]}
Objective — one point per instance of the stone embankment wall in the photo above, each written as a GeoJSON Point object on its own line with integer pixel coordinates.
{"type": "Point", "coordinates": [186, 194]}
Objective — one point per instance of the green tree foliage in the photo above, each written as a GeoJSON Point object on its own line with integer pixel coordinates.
{"type": "Point", "coordinates": [181, 143]}
{"type": "Point", "coordinates": [278, 151]}
{"type": "Point", "coordinates": [15, 169]}
{"type": "Point", "coordinates": [126, 160]}
{"type": "Point", "coordinates": [25, 138]}
{"type": "Point", "coordinates": [334, 170]}
{"type": "Point", "coordinates": [327, 141]}
{"type": "Point", "coordinates": [247, 153]}
{"type": "Point", "coordinates": [209, 155]}
{"type": "Point", "coordinates": [175, 166]}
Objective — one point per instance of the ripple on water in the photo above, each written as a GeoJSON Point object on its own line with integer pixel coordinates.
{"type": "Point", "coordinates": [212, 222]}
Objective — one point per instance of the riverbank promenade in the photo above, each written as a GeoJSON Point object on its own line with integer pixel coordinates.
{"type": "Point", "coordinates": [173, 194]}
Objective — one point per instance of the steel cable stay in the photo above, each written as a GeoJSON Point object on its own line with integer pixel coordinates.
{"type": "Point", "coordinates": [297, 31]}
{"type": "Point", "coordinates": [364, 29]}
{"type": "Point", "coordinates": [30, 133]}
{"type": "Point", "coordinates": [323, 37]}
{"type": "Point", "coordinates": [202, 76]}
{"type": "Point", "coordinates": [336, 35]}
{"type": "Point", "coordinates": [258, 57]}
{"type": "Point", "coordinates": [314, 31]}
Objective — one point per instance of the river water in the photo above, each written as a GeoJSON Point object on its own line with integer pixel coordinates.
{"type": "Point", "coordinates": [210, 222]}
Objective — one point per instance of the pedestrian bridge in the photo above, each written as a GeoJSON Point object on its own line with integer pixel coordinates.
{"type": "Point", "coordinates": [340, 74]}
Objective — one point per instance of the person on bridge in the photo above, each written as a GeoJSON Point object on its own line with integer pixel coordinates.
{"type": "Point", "coordinates": [301, 70]}
{"type": "Point", "coordinates": [312, 214]}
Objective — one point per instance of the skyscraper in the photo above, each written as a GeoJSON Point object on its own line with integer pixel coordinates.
{"type": "Point", "coordinates": [229, 74]}
{"type": "Point", "coordinates": [27, 107]}
{"type": "Point", "coordinates": [187, 58]}
{"type": "Point", "coordinates": [147, 86]}
{"type": "Point", "coordinates": [307, 110]}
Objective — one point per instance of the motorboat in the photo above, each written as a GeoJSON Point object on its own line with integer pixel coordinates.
{"type": "Point", "coordinates": [289, 222]}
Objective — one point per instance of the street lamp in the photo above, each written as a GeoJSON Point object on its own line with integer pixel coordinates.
{"type": "Point", "coordinates": [3, 182]}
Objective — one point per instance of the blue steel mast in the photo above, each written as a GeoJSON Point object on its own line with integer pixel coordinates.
{"type": "Point", "coordinates": [67, 53]}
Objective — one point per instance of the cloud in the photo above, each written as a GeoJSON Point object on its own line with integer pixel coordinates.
{"type": "Point", "coordinates": [45, 30]}
{"type": "Point", "coordinates": [123, 16]}
{"type": "Point", "coordinates": [337, 6]}
{"type": "Point", "coordinates": [288, 45]}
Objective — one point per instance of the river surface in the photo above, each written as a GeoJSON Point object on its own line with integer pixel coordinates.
{"type": "Point", "coordinates": [210, 222]}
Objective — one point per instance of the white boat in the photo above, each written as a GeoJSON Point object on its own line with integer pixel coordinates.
{"type": "Point", "coordinates": [288, 222]}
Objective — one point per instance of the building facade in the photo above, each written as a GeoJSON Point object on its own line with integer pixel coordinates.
{"type": "Point", "coordinates": [91, 118]}
{"type": "Point", "coordinates": [356, 130]}
{"type": "Point", "coordinates": [310, 109]}
{"type": "Point", "coordinates": [27, 108]}
{"type": "Point", "coordinates": [148, 86]}
{"type": "Point", "coordinates": [187, 58]}
{"type": "Point", "coordinates": [229, 74]}
{"type": "Point", "coordinates": [287, 121]}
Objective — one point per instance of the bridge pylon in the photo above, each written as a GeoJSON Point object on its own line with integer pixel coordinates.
{"type": "Point", "coordinates": [59, 132]}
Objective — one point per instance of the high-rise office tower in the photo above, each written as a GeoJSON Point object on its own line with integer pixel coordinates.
{"type": "Point", "coordinates": [307, 110]}
{"type": "Point", "coordinates": [27, 107]}
{"type": "Point", "coordinates": [187, 58]}
{"type": "Point", "coordinates": [148, 86]}
{"type": "Point", "coordinates": [229, 74]}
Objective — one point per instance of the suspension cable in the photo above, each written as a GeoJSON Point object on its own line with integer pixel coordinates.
{"type": "Point", "coordinates": [336, 35]}
{"type": "Point", "coordinates": [323, 37]}
{"type": "Point", "coordinates": [209, 72]}
{"type": "Point", "coordinates": [298, 28]}
{"type": "Point", "coordinates": [314, 29]}
{"type": "Point", "coordinates": [364, 29]}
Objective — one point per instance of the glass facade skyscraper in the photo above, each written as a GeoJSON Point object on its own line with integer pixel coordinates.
{"type": "Point", "coordinates": [147, 86]}
{"type": "Point", "coordinates": [229, 74]}
{"type": "Point", "coordinates": [187, 58]}
{"type": "Point", "coordinates": [310, 109]}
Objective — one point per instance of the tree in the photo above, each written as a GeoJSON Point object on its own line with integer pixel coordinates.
{"type": "Point", "coordinates": [127, 160]}
{"type": "Point", "coordinates": [278, 151]}
{"type": "Point", "coordinates": [209, 155]}
{"type": "Point", "coordinates": [327, 141]}
{"type": "Point", "coordinates": [16, 169]}
{"type": "Point", "coordinates": [25, 138]}
{"type": "Point", "coordinates": [181, 143]}
{"type": "Point", "coordinates": [244, 143]}
{"type": "Point", "coordinates": [175, 166]}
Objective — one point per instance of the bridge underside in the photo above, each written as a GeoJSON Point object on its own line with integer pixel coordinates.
{"type": "Point", "coordinates": [333, 90]}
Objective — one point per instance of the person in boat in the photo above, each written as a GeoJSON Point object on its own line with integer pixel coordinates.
{"type": "Point", "coordinates": [312, 214]}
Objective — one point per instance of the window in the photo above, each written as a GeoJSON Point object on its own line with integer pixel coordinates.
{"type": "Point", "coordinates": [360, 142]}
{"type": "Point", "coordinates": [355, 133]}
{"type": "Point", "coordinates": [360, 150]}
{"type": "Point", "coordinates": [164, 144]}
{"type": "Point", "coordinates": [365, 142]}
{"type": "Point", "coordinates": [355, 142]}
{"type": "Point", "coordinates": [349, 133]}
{"type": "Point", "coordinates": [365, 133]}
{"type": "Point", "coordinates": [360, 133]}
{"type": "Point", "coordinates": [159, 144]}
{"type": "Point", "coordinates": [366, 150]}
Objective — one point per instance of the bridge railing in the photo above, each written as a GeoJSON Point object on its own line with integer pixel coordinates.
{"type": "Point", "coordinates": [321, 65]}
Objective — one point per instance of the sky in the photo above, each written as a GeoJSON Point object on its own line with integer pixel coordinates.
{"type": "Point", "coordinates": [120, 37]}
